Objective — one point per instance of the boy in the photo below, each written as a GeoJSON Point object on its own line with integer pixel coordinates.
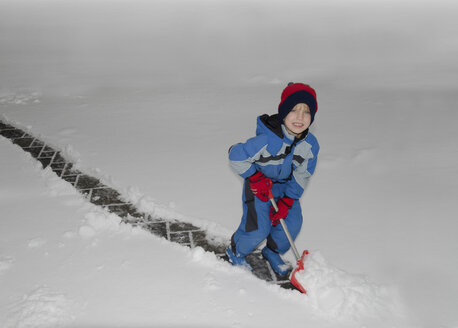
{"type": "Point", "coordinates": [281, 159]}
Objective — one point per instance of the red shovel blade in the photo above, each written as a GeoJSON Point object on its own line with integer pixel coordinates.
{"type": "Point", "coordinates": [299, 268]}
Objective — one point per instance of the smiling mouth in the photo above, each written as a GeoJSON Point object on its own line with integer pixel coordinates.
{"type": "Point", "coordinates": [298, 125]}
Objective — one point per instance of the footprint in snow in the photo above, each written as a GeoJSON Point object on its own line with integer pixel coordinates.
{"type": "Point", "coordinates": [41, 307]}
{"type": "Point", "coordinates": [37, 242]}
{"type": "Point", "coordinates": [6, 262]}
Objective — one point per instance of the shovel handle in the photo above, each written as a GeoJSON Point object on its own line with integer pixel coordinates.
{"type": "Point", "coordinates": [285, 228]}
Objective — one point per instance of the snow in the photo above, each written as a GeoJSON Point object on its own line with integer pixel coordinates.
{"type": "Point", "coordinates": [337, 293]}
{"type": "Point", "coordinates": [66, 262]}
{"type": "Point", "coordinates": [149, 95]}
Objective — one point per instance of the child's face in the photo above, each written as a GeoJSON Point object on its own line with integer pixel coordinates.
{"type": "Point", "coordinates": [298, 119]}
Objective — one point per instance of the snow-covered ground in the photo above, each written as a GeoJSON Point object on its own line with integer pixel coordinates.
{"type": "Point", "coordinates": [149, 95]}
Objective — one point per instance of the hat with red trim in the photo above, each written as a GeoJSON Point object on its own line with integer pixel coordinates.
{"type": "Point", "coordinates": [296, 93]}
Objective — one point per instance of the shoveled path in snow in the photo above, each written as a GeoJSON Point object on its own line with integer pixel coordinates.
{"type": "Point", "coordinates": [102, 195]}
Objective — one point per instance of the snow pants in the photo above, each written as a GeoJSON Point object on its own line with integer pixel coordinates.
{"type": "Point", "coordinates": [256, 226]}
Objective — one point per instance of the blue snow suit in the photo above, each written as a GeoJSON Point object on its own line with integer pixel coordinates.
{"type": "Point", "coordinates": [289, 162]}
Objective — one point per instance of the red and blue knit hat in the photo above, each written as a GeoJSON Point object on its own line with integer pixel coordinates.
{"type": "Point", "coordinates": [296, 93]}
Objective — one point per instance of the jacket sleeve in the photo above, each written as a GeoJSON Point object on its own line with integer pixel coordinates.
{"type": "Point", "coordinates": [242, 156]}
{"type": "Point", "coordinates": [304, 170]}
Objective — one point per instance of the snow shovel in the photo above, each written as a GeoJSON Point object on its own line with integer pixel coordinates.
{"type": "Point", "coordinates": [299, 259]}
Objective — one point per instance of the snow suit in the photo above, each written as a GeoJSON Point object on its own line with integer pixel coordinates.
{"type": "Point", "coordinates": [289, 162]}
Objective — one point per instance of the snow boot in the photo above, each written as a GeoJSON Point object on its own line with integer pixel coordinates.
{"type": "Point", "coordinates": [275, 261]}
{"type": "Point", "coordinates": [239, 261]}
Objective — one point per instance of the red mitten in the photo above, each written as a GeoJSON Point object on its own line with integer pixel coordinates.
{"type": "Point", "coordinates": [260, 186]}
{"type": "Point", "coordinates": [284, 205]}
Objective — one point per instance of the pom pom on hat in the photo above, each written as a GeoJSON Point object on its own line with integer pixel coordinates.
{"type": "Point", "coordinates": [296, 93]}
